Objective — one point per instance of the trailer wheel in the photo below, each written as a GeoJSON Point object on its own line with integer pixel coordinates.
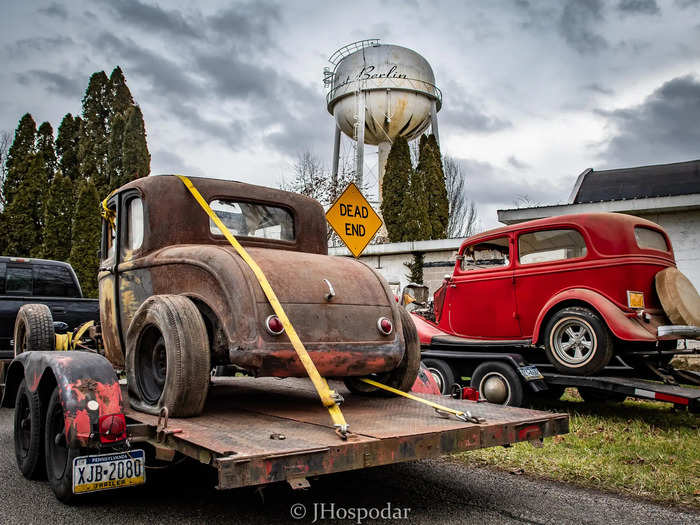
{"type": "Point", "coordinates": [591, 395]}
{"type": "Point", "coordinates": [442, 373]}
{"type": "Point", "coordinates": [28, 433]}
{"type": "Point", "coordinates": [404, 375]}
{"type": "Point", "coordinates": [59, 456]}
{"type": "Point", "coordinates": [578, 342]}
{"type": "Point", "coordinates": [167, 357]}
{"type": "Point", "coordinates": [498, 383]}
{"type": "Point", "coordinates": [34, 329]}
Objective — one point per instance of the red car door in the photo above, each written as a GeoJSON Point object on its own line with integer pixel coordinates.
{"type": "Point", "coordinates": [480, 299]}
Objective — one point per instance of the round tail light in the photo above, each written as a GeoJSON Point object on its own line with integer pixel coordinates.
{"type": "Point", "coordinates": [385, 326]}
{"type": "Point", "coordinates": [112, 428]}
{"type": "Point", "coordinates": [273, 325]}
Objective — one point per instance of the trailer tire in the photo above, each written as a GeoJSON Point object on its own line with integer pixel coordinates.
{"type": "Point", "coordinates": [596, 396]}
{"type": "Point", "coordinates": [591, 341]}
{"type": "Point", "coordinates": [34, 329]}
{"type": "Point", "coordinates": [28, 433]}
{"type": "Point", "coordinates": [59, 456]}
{"type": "Point", "coordinates": [442, 373]}
{"type": "Point", "coordinates": [167, 357]}
{"type": "Point", "coordinates": [403, 376]}
{"type": "Point", "coordinates": [498, 383]}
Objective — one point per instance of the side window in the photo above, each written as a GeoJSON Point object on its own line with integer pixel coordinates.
{"type": "Point", "coordinates": [108, 235]}
{"type": "Point", "coordinates": [18, 281]}
{"type": "Point", "coordinates": [488, 254]}
{"type": "Point", "coordinates": [3, 269]}
{"type": "Point", "coordinates": [550, 245]}
{"type": "Point", "coordinates": [134, 224]}
{"type": "Point", "coordinates": [650, 239]}
{"type": "Point", "coordinates": [53, 281]}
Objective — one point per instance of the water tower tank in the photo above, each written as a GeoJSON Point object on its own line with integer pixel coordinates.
{"type": "Point", "coordinates": [399, 88]}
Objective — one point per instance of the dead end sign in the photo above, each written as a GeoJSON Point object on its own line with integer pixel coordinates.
{"type": "Point", "coordinates": [353, 219]}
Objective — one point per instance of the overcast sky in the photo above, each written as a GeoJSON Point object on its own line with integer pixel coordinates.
{"type": "Point", "coordinates": [534, 92]}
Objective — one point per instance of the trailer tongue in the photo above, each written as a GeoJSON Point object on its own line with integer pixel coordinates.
{"type": "Point", "coordinates": [258, 431]}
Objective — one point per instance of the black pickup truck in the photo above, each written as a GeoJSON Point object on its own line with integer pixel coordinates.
{"type": "Point", "coordinates": [52, 283]}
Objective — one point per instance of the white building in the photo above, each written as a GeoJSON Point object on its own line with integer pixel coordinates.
{"type": "Point", "coordinates": [667, 194]}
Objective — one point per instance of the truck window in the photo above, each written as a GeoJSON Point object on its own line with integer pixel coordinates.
{"type": "Point", "coordinates": [134, 224]}
{"type": "Point", "coordinates": [53, 281]}
{"type": "Point", "coordinates": [18, 281]}
{"type": "Point", "coordinates": [650, 239]}
{"type": "Point", "coordinates": [488, 254]}
{"type": "Point", "coordinates": [108, 235]}
{"type": "Point", "coordinates": [253, 220]}
{"type": "Point", "coordinates": [550, 245]}
{"type": "Point", "coordinates": [3, 269]}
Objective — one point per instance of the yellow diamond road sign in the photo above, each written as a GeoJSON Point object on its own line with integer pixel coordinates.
{"type": "Point", "coordinates": [353, 219]}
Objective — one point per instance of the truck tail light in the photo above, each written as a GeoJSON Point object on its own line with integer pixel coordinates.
{"type": "Point", "coordinates": [112, 428]}
{"type": "Point", "coordinates": [635, 299]}
{"type": "Point", "coordinates": [273, 325]}
{"type": "Point", "coordinates": [385, 326]}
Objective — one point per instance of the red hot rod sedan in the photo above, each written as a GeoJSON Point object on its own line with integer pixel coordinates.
{"type": "Point", "coordinates": [581, 286]}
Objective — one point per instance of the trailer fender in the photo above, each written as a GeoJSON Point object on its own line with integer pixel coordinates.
{"type": "Point", "coordinates": [622, 326]}
{"type": "Point", "coordinates": [87, 385]}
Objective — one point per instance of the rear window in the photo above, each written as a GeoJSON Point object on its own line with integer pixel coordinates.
{"type": "Point", "coordinates": [53, 281]}
{"type": "Point", "coordinates": [488, 254]}
{"type": "Point", "coordinates": [550, 245]}
{"type": "Point", "coordinates": [18, 280]}
{"type": "Point", "coordinates": [249, 219]}
{"type": "Point", "coordinates": [650, 239]}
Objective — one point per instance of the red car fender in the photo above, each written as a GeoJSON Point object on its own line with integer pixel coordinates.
{"type": "Point", "coordinates": [426, 329]}
{"type": "Point", "coordinates": [425, 383]}
{"type": "Point", "coordinates": [622, 326]}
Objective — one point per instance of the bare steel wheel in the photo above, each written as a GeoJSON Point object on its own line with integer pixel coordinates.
{"type": "Point", "coordinates": [498, 383]}
{"type": "Point", "coordinates": [577, 341]}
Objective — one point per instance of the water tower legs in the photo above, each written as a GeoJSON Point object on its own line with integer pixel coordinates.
{"type": "Point", "coordinates": [360, 138]}
{"type": "Point", "coordinates": [384, 148]}
{"type": "Point", "coordinates": [336, 159]}
{"type": "Point", "coordinates": [433, 121]}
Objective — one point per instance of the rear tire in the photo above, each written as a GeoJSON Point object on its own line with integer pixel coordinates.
{"type": "Point", "coordinates": [403, 376]}
{"type": "Point", "coordinates": [442, 373]}
{"type": "Point", "coordinates": [498, 383]}
{"type": "Point", "coordinates": [578, 342]}
{"type": "Point", "coordinates": [167, 357]}
{"type": "Point", "coordinates": [28, 433]}
{"type": "Point", "coordinates": [59, 456]}
{"type": "Point", "coordinates": [34, 329]}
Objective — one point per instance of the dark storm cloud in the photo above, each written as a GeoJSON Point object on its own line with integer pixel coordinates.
{"type": "Point", "coordinates": [683, 4]}
{"type": "Point", "coordinates": [52, 82]}
{"type": "Point", "coordinates": [235, 79]}
{"type": "Point", "coordinates": [153, 18]}
{"type": "Point", "coordinates": [466, 116]}
{"type": "Point", "coordinates": [28, 46]}
{"type": "Point", "coordinates": [641, 7]}
{"type": "Point", "coordinates": [54, 10]}
{"type": "Point", "coordinates": [229, 133]}
{"type": "Point", "coordinates": [664, 128]}
{"type": "Point", "coordinates": [597, 88]}
{"type": "Point", "coordinates": [168, 162]}
{"type": "Point", "coordinates": [578, 23]}
{"type": "Point", "coordinates": [248, 25]}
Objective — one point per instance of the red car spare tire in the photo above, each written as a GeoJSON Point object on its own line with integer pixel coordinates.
{"type": "Point", "coordinates": [678, 296]}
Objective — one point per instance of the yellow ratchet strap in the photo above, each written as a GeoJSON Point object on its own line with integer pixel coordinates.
{"type": "Point", "coordinates": [330, 399]}
{"type": "Point", "coordinates": [440, 409]}
{"type": "Point", "coordinates": [107, 214]}
{"type": "Point", "coordinates": [65, 342]}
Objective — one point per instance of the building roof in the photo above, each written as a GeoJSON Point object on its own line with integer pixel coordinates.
{"type": "Point", "coordinates": [660, 180]}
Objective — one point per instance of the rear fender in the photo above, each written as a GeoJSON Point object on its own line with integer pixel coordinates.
{"type": "Point", "coordinates": [622, 326]}
{"type": "Point", "coordinates": [87, 386]}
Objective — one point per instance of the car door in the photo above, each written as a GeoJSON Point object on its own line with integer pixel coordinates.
{"type": "Point", "coordinates": [480, 299]}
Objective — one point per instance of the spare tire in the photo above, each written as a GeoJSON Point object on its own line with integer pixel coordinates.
{"type": "Point", "coordinates": [34, 329]}
{"type": "Point", "coordinates": [678, 296]}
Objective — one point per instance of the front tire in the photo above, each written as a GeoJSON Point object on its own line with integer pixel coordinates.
{"type": "Point", "coordinates": [34, 329]}
{"type": "Point", "coordinates": [59, 456]}
{"type": "Point", "coordinates": [498, 383]}
{"type": "Point", "coordinates": [403, 376]}
{"type": "Point", "coordinates": [28, 432]}
{"type": "Point", "coordinates": [167, 357]}
{"type": "Point", "coordinates": [578, 342]}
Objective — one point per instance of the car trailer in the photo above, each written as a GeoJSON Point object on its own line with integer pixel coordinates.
{"type": "Point", "coordinates": [259, 431]}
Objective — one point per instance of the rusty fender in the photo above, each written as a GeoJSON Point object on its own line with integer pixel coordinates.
{"type": "Point", "coordinates": [87, 385]}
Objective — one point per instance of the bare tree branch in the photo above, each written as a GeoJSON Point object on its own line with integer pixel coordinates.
{"type": "Point", "coordinates": [464, 218]}
{"type": "Point", "coordinates": [5, 141]}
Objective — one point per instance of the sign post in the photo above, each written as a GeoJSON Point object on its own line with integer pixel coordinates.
{"type": "Point", "coordinates": [353, 219]}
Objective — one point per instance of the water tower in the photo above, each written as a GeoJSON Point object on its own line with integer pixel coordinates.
{"type": "Point", "coordinates": [376, 93]}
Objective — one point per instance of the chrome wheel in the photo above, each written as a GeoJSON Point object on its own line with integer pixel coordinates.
{"type": "Point", "coordinates": [573, 340]}
{"type": "Point", "coordinates": [494, 388]}
{"type": "Point", "coordinates": [438, 378]}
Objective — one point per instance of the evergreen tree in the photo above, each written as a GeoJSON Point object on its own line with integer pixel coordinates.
{"type": "Point", "coordinates": [136, 160]}
{"type": "Point", "coordinates": [67, 144]}
{"type": "Point", "coordinates": [85, 238]}
{"type": "Point", "coordinates": [19, 156]}
{"type": "Point", "coordinates": [114, 153]}
{"type": "Point", "coordinates": [414, 216]}
{"type": "Point", "coordinates": [438, 202]}
{"type": "Point", "coordinates": [58, 216]}
{"type": "Point", "coordinates": [94, 142]}
{"type": "Point", "coordinates": [415, 268]}
{"type": "Point", "coordinates": [23, 214]}
{"type": "Point", "coordinates": [120, 99]}
{"type": "Point", "coordinates": [45, 147]}
{"type": "Point", "coordinates": [396, 181]}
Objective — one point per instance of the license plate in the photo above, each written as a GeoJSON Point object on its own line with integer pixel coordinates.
{"type": "Point", "coordinates": [530, 373]}
{"type": "Point", "coordinates": [108, 471]}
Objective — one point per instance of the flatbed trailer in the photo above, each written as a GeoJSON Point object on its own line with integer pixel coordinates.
{"type": "Point", "coordinates": [259, 431]}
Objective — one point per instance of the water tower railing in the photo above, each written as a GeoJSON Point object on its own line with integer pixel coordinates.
{"type": "Point", "coordinates": [351, 48]}
{"type": "Point", "coordinates": [413, 85]}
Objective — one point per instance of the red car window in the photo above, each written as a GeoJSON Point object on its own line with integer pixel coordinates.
{"type": "Point", "coordinates": [491, 254]}
{"type": "Point", "coordinates": [650, 239]}
{"type": "Point", "coordinates": [550, 245]}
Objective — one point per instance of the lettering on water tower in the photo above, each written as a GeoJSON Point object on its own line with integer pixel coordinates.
{"type": "Point", "coordinates": [353, 219]}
